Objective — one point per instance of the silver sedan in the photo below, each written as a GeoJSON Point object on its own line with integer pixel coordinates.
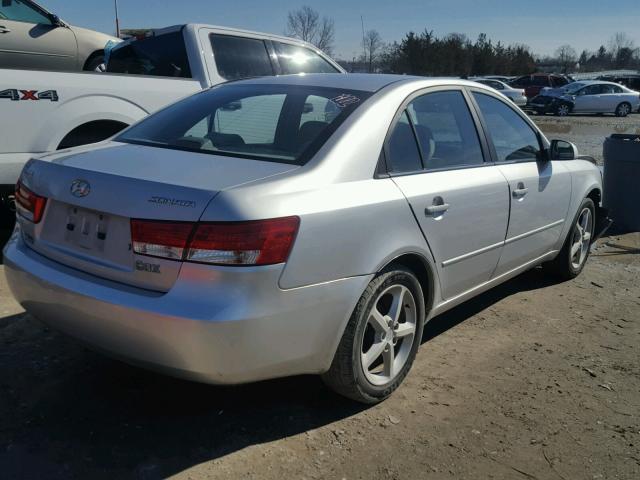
{"type": "Point", "coordinates": [516, 95]}
{"type": "Point", "coordinates": [297, 225]}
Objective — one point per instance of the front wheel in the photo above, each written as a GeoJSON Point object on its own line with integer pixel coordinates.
{"type": "Point", "coordinates": [381, 339]}
{"type": "Point", "coordinates": [96, 64]}
{"type": "Point", "coordinates": [563, 110]}
{"type": "Point", "coordinates": [575, 251]}
{"type": "Point", "coordinates": [623, 110]}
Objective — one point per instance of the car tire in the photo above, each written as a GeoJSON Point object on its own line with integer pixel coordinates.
{"type": "Point", "coordinates": [563, 110]}
{"type": "Point", "coordinates": [623, 109]}
{"type": "Point", "coordinates": [571, 259]}
{"type": "Point", "coordinates": [95, 64]}
{"type": "Point", "coordinates": [356, 371]}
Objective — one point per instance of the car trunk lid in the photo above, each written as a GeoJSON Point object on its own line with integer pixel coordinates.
{"type": "Point", "coordinates": [93, 195]}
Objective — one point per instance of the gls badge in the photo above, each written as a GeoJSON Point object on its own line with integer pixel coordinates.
{"type": "Point", "coordinates": [147, 267]}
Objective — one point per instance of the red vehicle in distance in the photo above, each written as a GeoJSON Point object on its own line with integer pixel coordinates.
{"type": "Point", "coordinates": [532, 84]}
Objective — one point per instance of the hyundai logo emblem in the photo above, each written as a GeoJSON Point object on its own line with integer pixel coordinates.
{"type": "Point", "coordinates": [80, 188]}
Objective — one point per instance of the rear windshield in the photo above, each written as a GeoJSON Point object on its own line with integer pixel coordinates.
{"type": "Point", "coordinates": [280, 123]}
{"type": "Point", "coordinates": [161, 56]}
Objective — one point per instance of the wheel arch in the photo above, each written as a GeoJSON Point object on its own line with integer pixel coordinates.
{"type": "Point", "coordinates": [423, 270]}
{"type": "Point", "coordinates": [91, 56]}
{"type": "Point", "coordinates": [91, 132]}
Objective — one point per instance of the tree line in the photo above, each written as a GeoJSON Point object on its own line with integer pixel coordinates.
{"type": "Point", "coordinates": [456, 55]}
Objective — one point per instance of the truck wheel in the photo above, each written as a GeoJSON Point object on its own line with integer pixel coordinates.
{"type": "Point", "coordinates": [575, 251]}
{"type": "Point", "coordinates": [623, 109]}
{"type": "Point", "coordinates": [381, 339]}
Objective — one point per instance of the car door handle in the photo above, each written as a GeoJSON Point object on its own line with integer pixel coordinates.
{"type": "Point", "coordinates": [437, 208]}
{"type": "Point", "coordinates": [520, 190]}
{"type": "Point", "coordinates": [4, 29]}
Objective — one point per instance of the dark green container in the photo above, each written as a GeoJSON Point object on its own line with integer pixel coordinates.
{"type": "Point", "coordinates": [621, 183]}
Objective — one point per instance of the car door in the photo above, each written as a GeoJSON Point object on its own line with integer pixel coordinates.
{"type": "Point", "coordinates": [609, 98]}
{"type": "Point", "coordinates": [460, 201]}
{"type": "Point", "coordinates": [540, 190]}
{"type": "Point", "coordinates": [588, 99]}
{"type": "Point", "coordinates": [29, 39]}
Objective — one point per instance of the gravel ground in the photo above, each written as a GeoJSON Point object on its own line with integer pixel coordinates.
{"type": "Point", "coordinates": [587, 131]}
{"type": "Point", "coordinates": [532, 380]}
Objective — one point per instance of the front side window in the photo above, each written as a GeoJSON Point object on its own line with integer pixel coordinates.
{"type": "Point", "coordinates": [280, 123]}
{"type": "Point", "coordinates": [20, 11]}
{"type": "Point", "coordinates": [294, 59]}
{"type": "Point", "coordinates": [513, 139]}
{"type": "Point", "coordinates": [445, 129]}
{"type": "Point", "coordinates": [591, 90]}
{"type": "Point", "coordinates": [240, 57]}
{"type": "Point", "coordinates": [160, 56]}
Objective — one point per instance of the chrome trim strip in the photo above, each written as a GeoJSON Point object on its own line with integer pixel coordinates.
{"type": "Point", "coordinates": [533, 232]}
{"type": "Point", "coordinates": [42, 54]}
{"type": "Point", "coordinates": [452, 261]}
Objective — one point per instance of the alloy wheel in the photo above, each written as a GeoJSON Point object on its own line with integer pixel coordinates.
{"type": "Point", "coordinates": [623, 110]}
{"type": "Point", "coordinates": [563, 110]}
{"type": "Point", "coordinates": [389, 334]}
{"type": "Point", "coordinates": [581, 238]}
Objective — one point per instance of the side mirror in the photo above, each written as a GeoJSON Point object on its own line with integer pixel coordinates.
{"type": "Point", "coordinates": [562, 150]}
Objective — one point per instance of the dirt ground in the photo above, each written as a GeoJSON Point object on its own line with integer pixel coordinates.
{"type": "Point", "coordinates": [531, 380]}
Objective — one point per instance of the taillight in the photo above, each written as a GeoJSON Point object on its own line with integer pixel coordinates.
{"type": "Point", "coordinates": [160, 239]}
{"type": "Point", "coordinates": [259, 242]}
{"type": "Point", "coordinates": [28, 204]}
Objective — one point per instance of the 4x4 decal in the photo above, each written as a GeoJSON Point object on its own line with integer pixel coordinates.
{"type": "Point", "coordinates": [17, 94]}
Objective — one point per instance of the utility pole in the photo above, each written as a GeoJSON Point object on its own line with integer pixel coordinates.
{"type": "Point", "coordinates": [364, 47]}
{"type": "Point", "coordinates": [117, 20]}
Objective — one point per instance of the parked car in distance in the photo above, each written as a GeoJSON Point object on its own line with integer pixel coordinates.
{"type": "Point", "coordinates": [143, 75]}
{"type": "Point", "coordinates": [319, 240]}
{"type": "Point", "coordinates": [501, 78]}
{"type": "Point", "coordinates": [33, 38]}
{"type": "Point", "coordinates": [587, 97]}
{"type": "Point", "coordinates": [532, 84]}
{"type": "Point", "coordinates": [516, 95]}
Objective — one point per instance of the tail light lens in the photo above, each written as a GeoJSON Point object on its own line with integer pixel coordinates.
{"type": "Point", "coordinates": [28, 204]}
{"type": "Point", "coordinates": [160, 239]}
{"type": "Point", "coordinates": [261, 242]}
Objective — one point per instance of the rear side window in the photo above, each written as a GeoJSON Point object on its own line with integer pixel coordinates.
{"type": "Point", "coordinates": [240, 57]}
{"type": "Point", "coordinates": [513, 138]}
{"type": "Point", "coordinates": [295, 59]}
{"type": "Point", "coordinates": [445, 129]}
{"type": "Point", "coordinates": [403, 155]}
{"type": "Point", "coordinates": [161, 56]}
{"type": "Point", "coordinates": [541, 81]}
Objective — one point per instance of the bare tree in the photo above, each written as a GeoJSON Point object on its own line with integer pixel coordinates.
{"type": "Point", "coordinates": [372, 46]}
{"type": "Point", "coordinates": [306, 24]}
{"type": "Point", "coordinates": [567, 57]}
{"type": "Point", "coordinates": [619, 41]}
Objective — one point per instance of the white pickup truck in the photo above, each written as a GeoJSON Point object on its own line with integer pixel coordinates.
{"type": "Point", "coordinates": [45, 111]}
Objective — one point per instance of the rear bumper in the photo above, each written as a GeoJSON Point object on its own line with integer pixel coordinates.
{"type": "Point", "coordinates": [216, 325]}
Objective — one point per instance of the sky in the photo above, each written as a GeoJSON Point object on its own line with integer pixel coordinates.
{"type": "Point", "coordinates": [542, 24]}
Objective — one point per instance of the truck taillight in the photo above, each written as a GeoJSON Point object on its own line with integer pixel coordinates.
{"type": "Point", "coordinates": [258, 242]}
{"type": "Point", "coordinates": [28, 204]}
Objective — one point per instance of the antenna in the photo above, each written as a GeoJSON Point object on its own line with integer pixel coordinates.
{"type": "Point", "coordinates": [117, 20]}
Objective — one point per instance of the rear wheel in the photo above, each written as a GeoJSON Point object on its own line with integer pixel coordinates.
{"type": "Point", "coordinates": [623, 109]}
{"type": "Point", "coordinates": [381, 339]}
{"type": "Point", "coordinates": [575, 251]}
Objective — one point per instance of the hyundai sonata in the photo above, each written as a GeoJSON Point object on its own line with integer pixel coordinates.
{"type": "Point", "coordinates": [296, 225]}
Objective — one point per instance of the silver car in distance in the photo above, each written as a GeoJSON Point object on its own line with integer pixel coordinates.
{"type": "Point", "coordinates": [296, 225]}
